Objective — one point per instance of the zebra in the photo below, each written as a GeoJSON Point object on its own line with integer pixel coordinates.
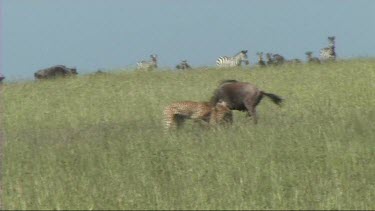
{"type": "Point", "coordinates": [261, 62]}
{"type": "Point", "coordinates": [311, 59]}
{"type": "Point", "coordinates": [328, 53]}
{"type": "Point", "coordinates": [148, 65]}
{"type": "Point", "coordinates": [183, 65]}
{"type": "Point", "coordinates": [236, 60]}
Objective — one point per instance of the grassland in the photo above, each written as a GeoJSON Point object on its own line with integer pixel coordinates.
{"type": "Point", "coordinates": [97, 142]}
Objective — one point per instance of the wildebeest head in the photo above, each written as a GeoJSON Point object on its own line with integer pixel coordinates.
{"type": "Point", "coordinates": [73, 71]}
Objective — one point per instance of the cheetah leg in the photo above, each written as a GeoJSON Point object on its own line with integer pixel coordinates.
{"type": "Point", "coordinates": [179, 120]}
{"type": "Point", "coordinates": [169, 118]}
{"type": "Point", "coordinates": [202, 123]}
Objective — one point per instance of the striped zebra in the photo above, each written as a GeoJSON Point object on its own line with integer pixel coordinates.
{"type": "Point", "coordinates": [236, 60]}
{"type": "Point", "coordinates": [311, 59]}
{"type": "Point", "coordinates": [148, 65]}
{"type": "Point", "coordinates": [261, 62]}
{"type": "Point", "coordinates": [328, 53]}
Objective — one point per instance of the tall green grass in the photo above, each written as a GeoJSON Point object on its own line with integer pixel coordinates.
{"type": "Point", "coordinates": [97, 142]}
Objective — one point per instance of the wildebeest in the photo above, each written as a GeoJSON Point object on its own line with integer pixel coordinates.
{"type": "Point", "coordinates": [183, 65]}
{"type": "Point", "coordinates": [54, 72]}
{"type": "Point", "coordinates": [275, 59]}
{"type": "Point", "coordinates": [100, 72]}
{"type": "Point", "coordinates": [242, 96]}
{"type": "Point", "coordinates": [2, 77]}
{"type": "Point", "coordinates": [311, 59]}
{"type": "Point", "coordinates": [293, 61]}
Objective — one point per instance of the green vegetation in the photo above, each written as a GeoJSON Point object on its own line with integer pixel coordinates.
{"type": "Point", "coordinates": [97, 142]}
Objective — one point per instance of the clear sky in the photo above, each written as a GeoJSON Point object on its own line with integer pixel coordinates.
{"type": "Point", "coordinates": [108, 34]}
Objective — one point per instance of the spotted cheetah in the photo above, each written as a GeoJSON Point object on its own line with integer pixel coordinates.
{"type": "Point", "coordinates": [176, 113]}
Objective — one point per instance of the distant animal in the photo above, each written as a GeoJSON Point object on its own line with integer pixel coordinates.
{"type": "Point", "coordinates": [235, 61]}
{"type": "Point", "coordinates": [242, 96]}
{"type": "Point", "coordinates": [100, 72]}
{"type": "Point", "coordinates": [261, 62]}
{"type": "Point", "coordinates": [311, 59]}
{"type": "Point", "coordinates": [183, 65]}
{"type": "Point", "coordinates": [274, 59]}
{"type": "Point", "coordinates": [2, 77]}
{"type": "Point", "coordinates": [269, 59]}
{"type": "Point", "coordinates": [148, 65]}
{"type": "Point", "coordinates": [55, 72]}
{"type": "Point", "coordinates": [328, 53]}
{"type": "Point", "coordinates": [204, 112]}
{"type": "Point", "coordinates": [278, 59]}
{"type": "Point", "coordinates": [293, 61]}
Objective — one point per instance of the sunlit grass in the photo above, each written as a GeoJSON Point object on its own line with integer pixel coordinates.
{"type": "Point", "coordinates": [97, 142]}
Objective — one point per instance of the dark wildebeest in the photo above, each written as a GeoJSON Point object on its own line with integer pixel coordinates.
{"type": "Point", "coordinates": [54, 72]}
{"type": "Point", "coordinates": [275, 59]}
{"type": "Point", "coordinates": [242, 96]}
{"type": "Point", "coordinates": [100, 72]}
{"type": "Point", "coordinates": [2, 77]}
{"type": "Point", "coordinates": [311, 59]}
{"type": "Point", "coordinates": [183, 65]}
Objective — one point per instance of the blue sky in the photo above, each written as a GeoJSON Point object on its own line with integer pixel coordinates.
{"type": "Point", "coordinates": [109, 34]}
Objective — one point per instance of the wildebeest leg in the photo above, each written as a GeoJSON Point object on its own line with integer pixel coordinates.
{"type": "Point", "coordinates": [253, 113]}
{"type": "Point", "coordinates": [250, 105]}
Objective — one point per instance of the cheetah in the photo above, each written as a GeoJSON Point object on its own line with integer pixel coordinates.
{"type": "Point", "coordinates": [176, 113]}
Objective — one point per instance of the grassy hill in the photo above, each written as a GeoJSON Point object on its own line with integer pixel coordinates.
{"type": "Point", "coordinates": [97, 142]}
